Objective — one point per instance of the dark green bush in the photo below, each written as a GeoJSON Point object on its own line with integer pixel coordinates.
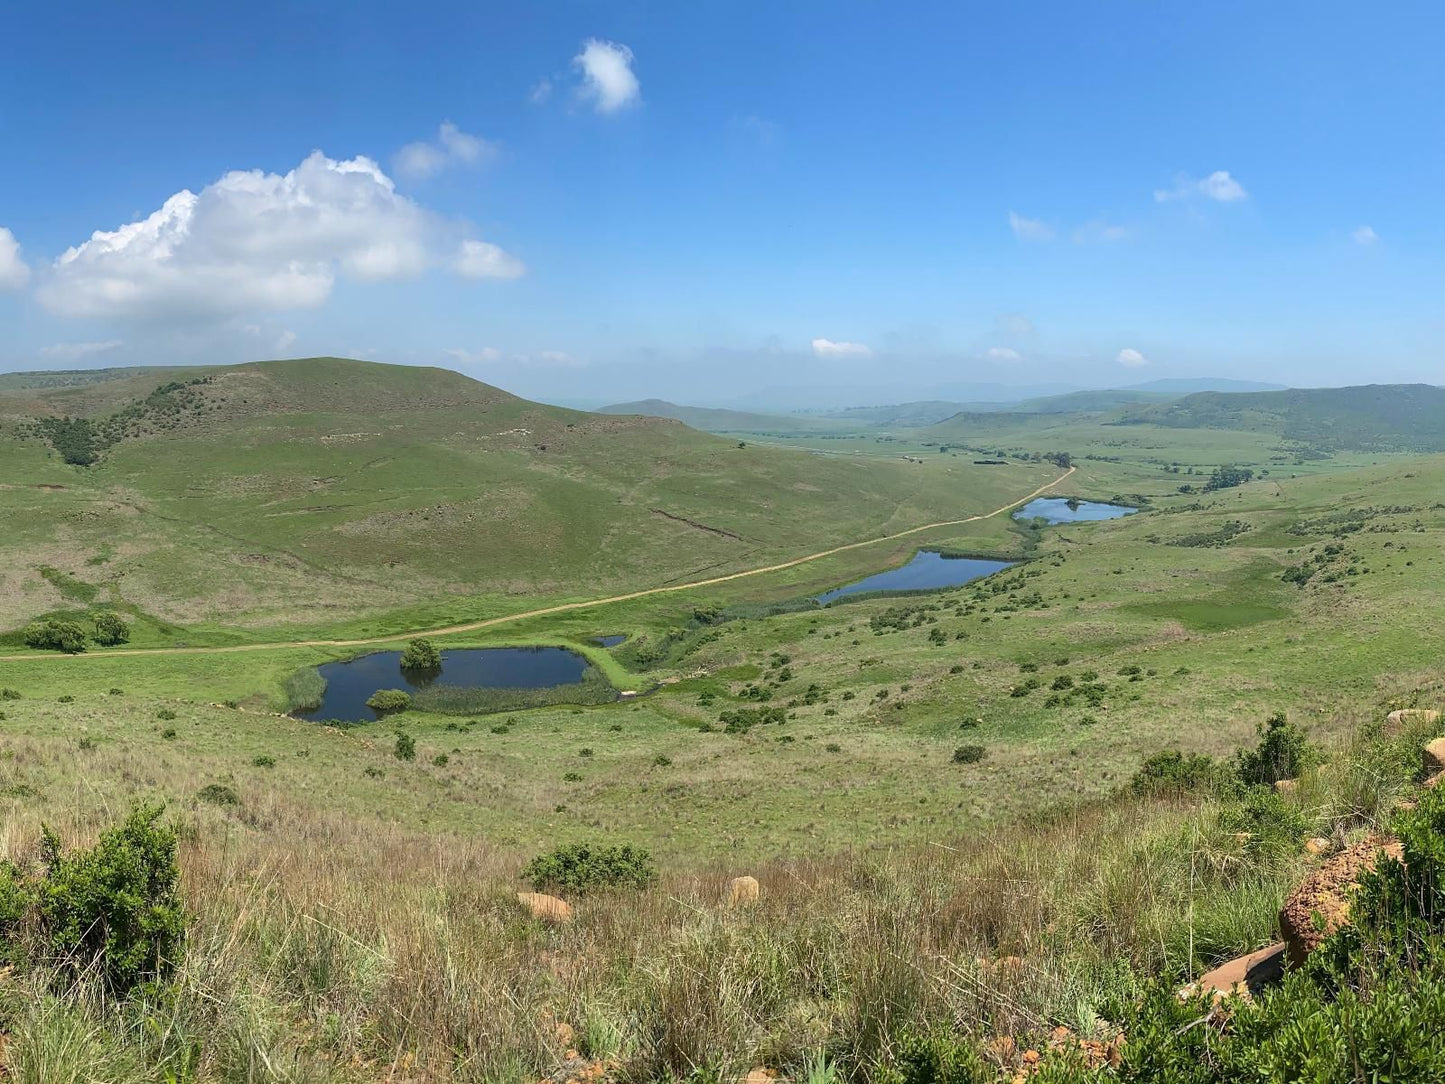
{"type": "Point", "coordinates": [110, 628]}
{"type": "Point", "coordinates": [165, 715]}
{"type": "Point", "coordinates": [115, 910]}
{"type": "Point", "coordinates": [968, 754]}
{"type": "Point", "coordinates": [53, 634]}
{"type": "Point", "coordinates": [1174, 772]}
{"type": "Point", "coordinates": [388, 700]}
{"type": "Point", "coordinates": [264, 761]}
{"type": "Point", "coordinates": [1282, 753]}
{"type": "Point", "coordinates": [219, 794]}
{"type": "Point", "coordinates": [584, 867]}
{"type": "Point", "coordinates": [405, 748]}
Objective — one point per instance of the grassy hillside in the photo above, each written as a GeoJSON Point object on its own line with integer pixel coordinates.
{"type": "Point", "coordinates": [1373, 418]}
{"type": "Point", "coordinates": [315, 494]}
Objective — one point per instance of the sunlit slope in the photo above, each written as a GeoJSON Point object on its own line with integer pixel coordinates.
{"type": "Point", "coordinates": [293, 493]}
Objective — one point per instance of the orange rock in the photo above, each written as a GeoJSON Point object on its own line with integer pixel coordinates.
{"type": "Point", "coordinates": [1435, 755]}
{"type": "Point", "coordinates": [543, 906]}
{"type": "Point", "coordinates": [1286, 786]}
{"type": "Point", "coordinates": [1327, 892]}
{"type": "Point", "coordinates": [566, 1033]}
{"type": "Point", "coordinates": [759, 1076]}
{"type": "Point", "coordinates": [1245, 974]}
{"type": "Point", "coordinates": [1318, 845]}
{"type": "Point", "coordinates": [1397, 720]}
{"type": "Point", "coordinates": [742, 891]}
{"type": "Point", "coordinates": [1003, 1047]}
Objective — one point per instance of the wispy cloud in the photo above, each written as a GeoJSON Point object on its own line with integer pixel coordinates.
{"type": "Point", "coordinates": [1218, 186]}
{"type": "Point", "coordinates": [485, 355]}
{"type": "Point", "coordinates": [1004, 353]}
{"type": "Point", "coordinates": [452, 147]}
{"type": "Point", "coordinates": [1364, 235]}
{"type": "Point", "coordinates": [77, 351]}
{"type": "Point", "coordinates": [827, 348]}
{"type": "Point", "coordinates": [1029, 229]}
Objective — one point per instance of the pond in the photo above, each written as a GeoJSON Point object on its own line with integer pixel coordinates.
{"type": "Point", "coordinates": [928, 571]}
{"type": "Point", "coordinates": [609, 641]}
{"type": "Point", "coordinates": [349, 684]}
{"type": "Point", "coordinates": [1068, 510]}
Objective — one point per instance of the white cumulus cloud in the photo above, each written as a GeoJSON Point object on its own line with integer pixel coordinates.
{"type": "Point", "coordinates": [827, 348]}
{"type": "Point", "coordinates": [14, 272]}
{"type": "Point", "coordinates": [1219, 186]}
{"type": "Point", "coordinates": [1029, 229]}
{"type": "Point", "coordinates": [607, 77]}
{"type": "Point", "coordinates": [485, 355]}
{"type": "Point", "coordinates": [256, 241]}
{"type": "Point", "coordinates": [452, 147]}
{"type": "Point", "coordinates": [1131, 358]}
{"type": "Point", "coordinates": [1365, 235]}
{"type": "Point", "coordinates": [1003, 353]}
{"type": "Point", "coordinates": [76, 351]}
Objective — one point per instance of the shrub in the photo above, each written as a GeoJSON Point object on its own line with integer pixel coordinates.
{"type": "Point", "coordinates": [8, 693]}
{"type": "Point", "coordinates": [110, 629]}
{"type": "Point", "coordinates": [117, 692]}
{"type": "Point", "coordinates": [441, 760]}
{"type": "Point", "coordinates": [833, 747]}
{"type": "Point", "coordinates": [662, 761]}
{"type": "Point", "coordinates": [165, 715]}
{"type": "Point", "coordinates": [584, 867]}
{"type": "Point", "coordinates": [389, 700]}
{"type": "Point", "coordinates": [421, 655]}
{"type": "Point", "coordinates": [264, 761]}
{"type": "Point", "coordinates": [968, 754]}
{"type": "Point", "coordinates": [1173, 772]}
{"type": "Point", "coordinates": [53, 634]}
{"type": "Point", "coordinates": [405, 748]}
{"type": "Point", "coordinates": [571, 777]}
{"type": "Point", "coordinates": [115, 910]}
{"type": "Point", "coordinates": [169, 733]}
{"type": "Point", "coordinates": [219, 794]}
{"type": "Point", "coordinates": [66, 699]}
{"type": "Point", "coordinates": [584, 752]}
{"type": "Point", "coordinates": [1282, 753]}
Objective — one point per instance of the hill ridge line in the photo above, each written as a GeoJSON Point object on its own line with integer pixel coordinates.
{"type": "Point", "coordinates": [563, 607]}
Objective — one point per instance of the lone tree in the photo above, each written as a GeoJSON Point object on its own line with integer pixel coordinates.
{"type": "Point", "coordinates": [421, 655]}
{"type": "Point", "coordinates": [110, 629]}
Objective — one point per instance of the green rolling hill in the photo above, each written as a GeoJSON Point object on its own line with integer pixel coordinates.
{"type": "Point", "coordinates": [303, 493]}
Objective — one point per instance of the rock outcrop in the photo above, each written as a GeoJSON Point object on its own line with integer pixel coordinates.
{"type": "Point", "coordinates": [1242, 975]}
{"type": "Point", "coordinates": [1327, 892]}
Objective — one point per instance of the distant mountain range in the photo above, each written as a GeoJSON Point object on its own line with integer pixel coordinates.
{"type": "Point", "coordinates": [926, 412]}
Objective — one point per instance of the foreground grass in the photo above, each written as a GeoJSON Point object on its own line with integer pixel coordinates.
{"type": "Point", "coordinates": [333, 947]}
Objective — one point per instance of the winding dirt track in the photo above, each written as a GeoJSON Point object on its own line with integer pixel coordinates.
{"type": "Point", "coordinates": [564, 607]}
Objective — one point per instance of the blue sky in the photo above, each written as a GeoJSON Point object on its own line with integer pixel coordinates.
{"type": "Point", "coordinates": [695, 200]}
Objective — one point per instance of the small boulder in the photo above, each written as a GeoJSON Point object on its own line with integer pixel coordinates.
{"type": "Point", "coordinates": [1327, 892]}
{"type": "Point", "coordinates": [1397, 720]}
{"type": "Point", "coordinates": [566, 1034]}
{"type": "Point", "coordinates": [1244, 974]}
{"type": "Point", "coordinates": [742, 891]}
{"type": "Point", "coordinates": [1318, 845]}
{"type": "Point", "coordinates": [548, 908]}
{"type": "Point", "coordinates": [1286, 786]}
{"type": "Point", "coordinates": [1435, 756]}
